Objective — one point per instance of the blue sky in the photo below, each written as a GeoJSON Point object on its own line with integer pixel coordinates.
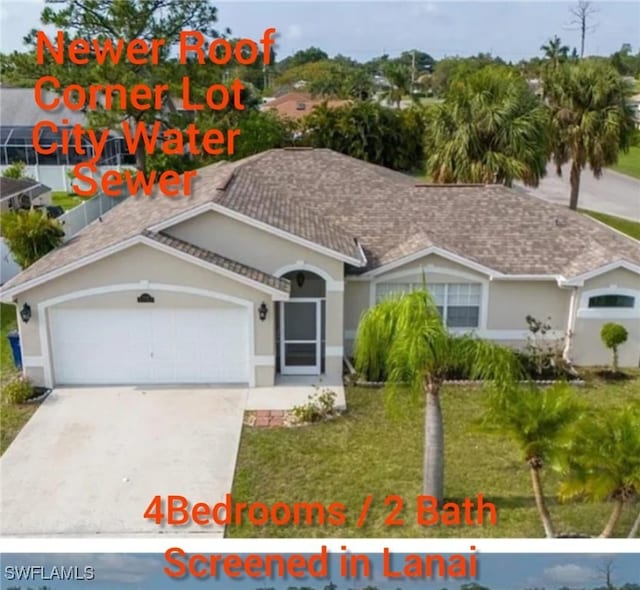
{"type": "Point", "coordinates": [362, 30]}
{"type": "Point", "coordinates": [499, 571]}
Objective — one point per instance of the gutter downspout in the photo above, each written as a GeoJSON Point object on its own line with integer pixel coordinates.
{"type": "Point", "coordinates": [571, 321]}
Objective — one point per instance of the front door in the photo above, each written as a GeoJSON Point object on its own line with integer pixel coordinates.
{"type": "Point", "coordinates": [300, 337]}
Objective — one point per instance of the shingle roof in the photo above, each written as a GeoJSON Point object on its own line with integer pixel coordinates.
{"type": "Point", "coordinates": [18, 107]}
{"type": "Point", "coordinates": [222, 261]}
{"type": "Point", "coordinates": [346, 204]}
{"type": "Point", "coordinates": [14, 186]}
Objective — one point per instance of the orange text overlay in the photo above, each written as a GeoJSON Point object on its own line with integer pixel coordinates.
{"type": "Point", "coordinates": [139, 137]}
{"type": "Point", "coordinates": [395, 511]}
{"type": "Point", "coordinates": [460, 566]}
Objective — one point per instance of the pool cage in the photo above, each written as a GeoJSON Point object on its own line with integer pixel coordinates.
{"type": "Point", "coordinates": [17, 145]}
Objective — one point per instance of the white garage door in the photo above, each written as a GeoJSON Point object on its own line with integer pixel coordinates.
{"type": "Point", "coordinates": [154, 345]}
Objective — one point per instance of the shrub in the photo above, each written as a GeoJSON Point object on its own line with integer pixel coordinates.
{"type": "Point", "coordinates": [319, 406]}
{"type": "Point", "coordinates": [17, 170]}
{"type": "Point", "coordinates": [30, 235]}
{"type": "Point", "coordinates": [17, 390]}
{"type": "Point", "coordinates": [613, 335]}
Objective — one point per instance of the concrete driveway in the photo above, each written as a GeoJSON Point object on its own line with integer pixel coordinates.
{"type": "Point", "coordinates": [613, 193]}
{"type": "Point", "coordinates": [90, 460]}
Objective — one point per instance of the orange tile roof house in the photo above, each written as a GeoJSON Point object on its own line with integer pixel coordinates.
{"type": "Point", "coordinates": [296, 105]}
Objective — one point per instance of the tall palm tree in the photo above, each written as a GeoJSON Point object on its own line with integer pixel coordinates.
{"type": "Point", "coordinates": [404, 339]}
{"type": "Point", "coordinates": [590, 118]}
{"type": "Point", "coordinates": [539, 422]}
{"type": "Point", "coordinates": [603, 462]}
{"type": "Point", "coordinates": [555, 51]}
{"type": "Point", "coordinates": [490, 129]}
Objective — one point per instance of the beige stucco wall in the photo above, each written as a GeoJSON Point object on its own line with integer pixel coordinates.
{"type": "Point", "coordinates": [510, 302]}
{"type": "Point", "coordinates": [250, 245]}
{"type": "Point", "coordinates": [142, 263]}
{"type": "Point", "coordinates": [587, 347]}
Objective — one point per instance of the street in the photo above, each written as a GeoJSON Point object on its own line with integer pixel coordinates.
{"type": "Point", "coordinates": [614, 193]}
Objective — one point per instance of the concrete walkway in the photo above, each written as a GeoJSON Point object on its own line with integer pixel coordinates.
{"type": "Point", "coordinates": [614, 193]}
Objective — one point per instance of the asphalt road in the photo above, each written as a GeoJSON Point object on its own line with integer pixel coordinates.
{"type": "Point", "coordinates": [613, 193]}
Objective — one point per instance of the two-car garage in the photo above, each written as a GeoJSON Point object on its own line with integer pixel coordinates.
{"type": "Point", "coordinates": [148, 344]}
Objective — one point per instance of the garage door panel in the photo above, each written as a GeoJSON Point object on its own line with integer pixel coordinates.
{"type": "Point", "coordinates": [150, 345]}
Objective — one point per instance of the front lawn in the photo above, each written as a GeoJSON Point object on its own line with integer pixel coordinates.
{"type": "Point", "coordinates": [368, 452]}
{"type": "Point", "coordinates": [626, 226]}
{"type": "Point", "coordinates": [629, 163]}
{"type": "Point", "coordinates": [12, 418]}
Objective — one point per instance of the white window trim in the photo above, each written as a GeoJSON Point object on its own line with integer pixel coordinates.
{"type": "Point", "coordinates": [425, 271]}
{"type": "Point", "coordinates": [584, 311]}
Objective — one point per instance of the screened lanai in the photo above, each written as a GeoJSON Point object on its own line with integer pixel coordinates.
{"type": "Point", "coordinates": [17, 144]}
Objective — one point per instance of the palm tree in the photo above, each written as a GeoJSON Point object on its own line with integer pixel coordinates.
{"type": "Point", "coordinates": [399, 77]}
{"type": "Point", "coordinates": [490, 129]}
{"type": "Point", "coordinates": [555, 51]}
{"type": "Point", "coordinates": [603, 462]}
{"type": "Point", "coordinates": [404, 339]}
{"type": "Point", "coordinates": [590, 119]}
{"type": "Point", "coordinates": [539, 422]}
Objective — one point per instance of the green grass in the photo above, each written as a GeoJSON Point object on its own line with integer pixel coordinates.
{"type": "Point", "coordinates": [12, 418]}
{"type": "Point", "coordinates": [368, 452]}
{"type": "Point", "coordinates": [626, 226]}
{"type": "Point", "coordinates": [65, 200]}
{"type": "Point", "coordinates": [629, 163]}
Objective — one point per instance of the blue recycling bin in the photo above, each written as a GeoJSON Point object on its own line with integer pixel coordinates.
{"type": "Point", "coordinates": [14, 341]}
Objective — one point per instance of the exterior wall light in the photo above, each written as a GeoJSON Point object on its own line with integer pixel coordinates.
{"type": "Point", "coordinates": [25, 313]}
{"type": "Point", "coordinates": [262, 311]}
{"type": "Point", "coordinates": [300, 278]}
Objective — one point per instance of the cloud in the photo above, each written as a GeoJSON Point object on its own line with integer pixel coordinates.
{"type": "Point", "coordinates": [294, 32]}
{"type": "Point", "coordinates": [569, 573]}
{"type": "Point", "coordinates": [125, 569]}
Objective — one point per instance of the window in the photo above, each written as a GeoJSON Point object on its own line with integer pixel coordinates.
{"type": "Point", "coordinates": [458, 303]}
{"type": "Point", "coordinates": [613, 300]}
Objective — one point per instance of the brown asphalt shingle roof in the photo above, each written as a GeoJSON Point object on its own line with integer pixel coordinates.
{"type": "Point", "coordinates": [345, 204]}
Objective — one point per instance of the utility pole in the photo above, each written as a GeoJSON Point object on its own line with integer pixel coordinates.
{"type": "Point", "coordinates": [413, 70]}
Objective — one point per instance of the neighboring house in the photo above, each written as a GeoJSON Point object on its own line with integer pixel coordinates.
{"type": "Point", "coordinates": [19, 114]}
{"type": "Point", "coordinates": [22, 193]}
{"type": "Point", "coordinates": [296, 105]}
{"type": "Point", "coordinates": [266, 269]}
{"type": "Point", "coordinates": [634, 103]}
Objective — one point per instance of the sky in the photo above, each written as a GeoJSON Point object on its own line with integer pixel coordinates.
{"type": "Point", "coordinates": [498, 571]}
{"type": "Point", "coordinates": [362, 30]}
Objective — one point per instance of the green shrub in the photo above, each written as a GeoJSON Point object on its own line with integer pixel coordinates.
{"type": "Point", "coordinates": [320, 406]}
{"type": "Point", "coordinates": [30, 235]}
{"type": "Point", "coordinates": [17, 390]}
{"type": "Point", "coordinates": [613, 335]}
{"type": "Point", "coordinates": [17, 170]}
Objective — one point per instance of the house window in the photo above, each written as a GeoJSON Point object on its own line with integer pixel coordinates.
{"type": "Point", "coordinates": [613, 300]}
{"type": "Point", "coordinates": [458, 303]}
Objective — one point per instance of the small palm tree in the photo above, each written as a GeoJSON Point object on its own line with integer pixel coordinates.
{"type": "Point", "coordinates": [555, 51]}
{"type": "Point", "coordinates": [591, 121]}
{"type": "Point", "coordinates": [30, 234]}
{"type": "Point", "coordinates": [539, 422]}
{"type": "Point", "coordinates": [603, 462]}
{"type": "Point", "coordinates": [399, 77]}
{"type": "Point", "coordinates": [404, 339]}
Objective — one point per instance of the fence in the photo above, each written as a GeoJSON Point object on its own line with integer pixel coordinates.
{"type": "Point", "coordinates": [72, 222]}
{"type": "Point", "coordinates": [75, 219]}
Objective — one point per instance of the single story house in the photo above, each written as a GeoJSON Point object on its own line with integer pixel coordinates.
{"type": "Point", "coordinates": [22, 193]}
{"type": "Point", "coordinates": [267, 267]}
{"type": "Point", "coordinates": [296, 105]}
